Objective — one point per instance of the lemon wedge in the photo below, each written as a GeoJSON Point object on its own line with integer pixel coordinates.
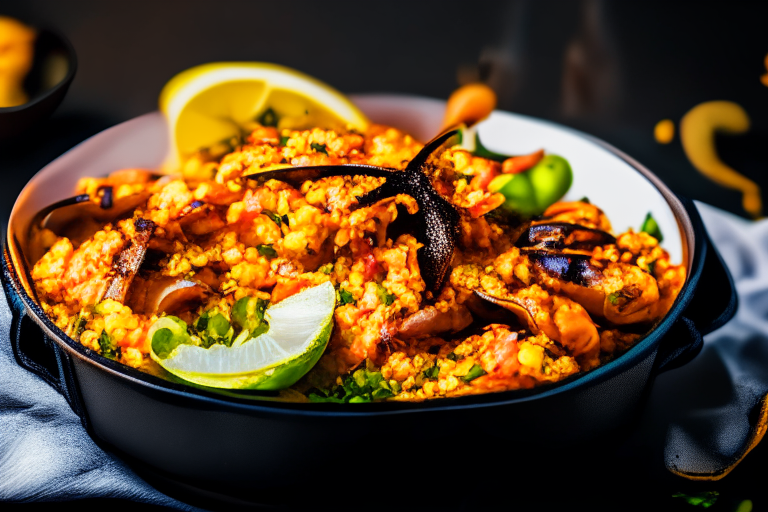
{"type": "Point", "coordinates": [208, 104]}
{"type": "Point", "coordinates": [299, 330]}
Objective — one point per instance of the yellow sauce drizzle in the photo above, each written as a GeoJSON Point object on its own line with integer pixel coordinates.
{"type": "Point", "coordinates": [697, 134]}
{"type": "Point", "coordinates": [664, 131]}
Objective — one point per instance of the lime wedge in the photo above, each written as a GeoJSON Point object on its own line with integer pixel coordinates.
{"type": "Point", "coordinates": [214, 102]}
{"type": "Point", "coordinates": [299, 329]}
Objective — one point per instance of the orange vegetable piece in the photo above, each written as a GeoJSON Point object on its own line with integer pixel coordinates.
{"type": "Point", "coordinates": [518, 164]}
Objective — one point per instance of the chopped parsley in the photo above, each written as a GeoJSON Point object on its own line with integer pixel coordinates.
{"type": "Point", "coordinates": [267, 250]}
{"type": "Point", "coordinates": [320, 148]}
{"type": "Point", "coordinates": [326, 269]}
{"type": "Point", "coordinates": [453, 357]}
{"type": "Point", "coordinates": [384, 296]}
{"type": "Point", "coordinates": [432, 372]}
{"type": "Point", "coordinates": [473, 373]}
{"type": "Point", "coordinates": [613, 298]}
{"type": "Point", "coordinates": [361, 386]}
{"type": "Point", "coordinates": [275, 217]}
{"type": "Point", "coordinates": [108, 346]}
{"type": "Point", "coordinates": [284, 140]}
{"type": "Point", "coordinates": [213, 328]}
{"type": "Point", "coordinates": [268, 118]}
{"type": "Point", "coordinates": [345, 297]}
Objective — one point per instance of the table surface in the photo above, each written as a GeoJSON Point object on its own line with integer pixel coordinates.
{"type": "Point", "coordinates": [647, 60]}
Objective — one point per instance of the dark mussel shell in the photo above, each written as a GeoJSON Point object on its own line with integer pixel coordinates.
{"type": "Point", "coordinates": [435, 225]}
{"type": "Point", "coordinates": [78, 218]}
{"type": "Point", "coordinates": [573, 268]}
{"type": "Point", "coordinates": [562, 235]}
{"type": "Point", "coordinates": [523, 314]}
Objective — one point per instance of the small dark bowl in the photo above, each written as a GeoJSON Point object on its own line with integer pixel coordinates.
{"type": "Point", "coordinates": [50, 49]}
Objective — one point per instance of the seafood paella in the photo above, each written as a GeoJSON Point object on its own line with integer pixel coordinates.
{"type": "Point", "coordinates": [447, 279]}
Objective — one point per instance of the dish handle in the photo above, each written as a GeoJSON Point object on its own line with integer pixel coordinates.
{"type": "Point", "coordinates": [711, 301]}
{"type": "Point", "coordinates": [38, 353]}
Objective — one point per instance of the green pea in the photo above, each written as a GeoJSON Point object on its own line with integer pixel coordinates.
{"type": "Point", "coordinates": [248, 313]}
{"type": "Point", "coordinates": [551, 178]}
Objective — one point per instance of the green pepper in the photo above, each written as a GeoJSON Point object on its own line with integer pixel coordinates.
{"type": "Point", "coordinates": [533, 191]}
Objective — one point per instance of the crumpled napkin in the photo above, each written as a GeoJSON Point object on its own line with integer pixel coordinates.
{"type": "Point", "coordinates": [716, 404]}
{"type": "Point", "coordinates": [712, 408]}
{"type": "Point", "coordinates": [45, 453]}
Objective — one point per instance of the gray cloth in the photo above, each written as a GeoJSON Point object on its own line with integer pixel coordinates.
{"type": "Point", "coordinates": [46, 455]}
{"type": "Point", "coordinates": [712, 404]}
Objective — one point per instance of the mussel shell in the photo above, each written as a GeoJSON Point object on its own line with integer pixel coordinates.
{"type": "Point", "coordinates": [559, 235]}
{"type": "Point", "coordinates": [574, 268]}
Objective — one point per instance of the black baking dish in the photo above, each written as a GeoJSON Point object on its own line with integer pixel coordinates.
{"type": "Point", "coordinates": [229, 444]}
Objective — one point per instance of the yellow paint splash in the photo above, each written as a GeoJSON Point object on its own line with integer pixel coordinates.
{"type": "Point", "coordinates": [697, 134]}
{"type": "Point", "coordinates": [664, 131]}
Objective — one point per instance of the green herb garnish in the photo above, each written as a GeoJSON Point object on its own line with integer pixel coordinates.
{"type": "Point", "coordinates": [473, 373]}
{"type": "Point", "coordinates": [108, 346]}
{"type": "Point", "coordinates": [384, 296]}
{"type": "Point", "coordinates": [267, 250]}
{"type": "Point", "coordinates": [702, 499]}
{"type": "Point", "coordinates": [613, 298]}
{"type": "Point", "coordinates": [362, 386]}
{"type": "Point", "coordinates": [345, 297]}
{"type": "Point", "coordinates": [268, 118]}
{"type": "Point", "coordinates": [248, 314]}
{"type": "Point", "coordinates": [275, 217]}
{"type": "Point", "coordinates": [651, 227]}
{"type": "Point", "coordinates": [213, 328]}
{"type": "Point", "coordinates": [326, 269]}
{"type": "Point", "coordinates": [284, 140]}
{"type": "Point", "coordinates": [320, 148]}
{"type": "Point", "coordinates": [432, 372]}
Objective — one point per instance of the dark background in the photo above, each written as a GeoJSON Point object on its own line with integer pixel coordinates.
{"type": "Point", "coordinates": [612, 69]}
